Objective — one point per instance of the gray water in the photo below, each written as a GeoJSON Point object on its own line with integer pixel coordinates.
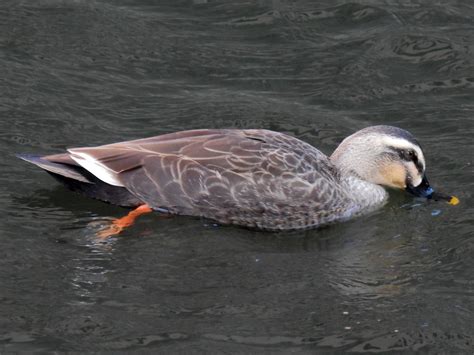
{"type": "Point", "coordinates": [77, 73]}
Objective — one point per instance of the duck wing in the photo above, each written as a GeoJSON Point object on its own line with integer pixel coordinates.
{"type": "Point", "coordinates": [214, 173]}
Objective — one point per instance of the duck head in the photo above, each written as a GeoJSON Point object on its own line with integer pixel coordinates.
{"type": "Point", "coordinates": [387, 156]}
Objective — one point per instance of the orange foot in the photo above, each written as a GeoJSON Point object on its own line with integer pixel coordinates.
{"type": "Point", "coordinates": [119, 224]}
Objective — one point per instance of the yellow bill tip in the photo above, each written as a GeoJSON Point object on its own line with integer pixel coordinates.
{"type": "Point", "coordinates": [453, 201]}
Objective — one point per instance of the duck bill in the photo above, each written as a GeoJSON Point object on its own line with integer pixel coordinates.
{"type": "Point", "coordinates": [422, 190]}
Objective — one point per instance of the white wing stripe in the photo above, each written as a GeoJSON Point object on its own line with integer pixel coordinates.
{"type": "Point", "coordinates": [97, 169]}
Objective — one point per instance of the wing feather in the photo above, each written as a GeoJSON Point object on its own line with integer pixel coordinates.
{"type": "Point", "coordinates": [211, 172]}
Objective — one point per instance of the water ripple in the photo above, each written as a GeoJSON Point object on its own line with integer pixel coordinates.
{"type": "Point", "coordinates": [77, 73]}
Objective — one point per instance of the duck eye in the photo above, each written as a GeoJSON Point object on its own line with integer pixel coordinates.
{"type": "Point", "coordinates": [413, 156]}
{"type": "Point", "coordinates": [408, 155]}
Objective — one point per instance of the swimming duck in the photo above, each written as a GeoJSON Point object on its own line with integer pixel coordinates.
{"type": "Point", "coordinates": [249, 177]}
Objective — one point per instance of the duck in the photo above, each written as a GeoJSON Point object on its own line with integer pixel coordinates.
{"type": "Point", "coordinates": [253, 178]}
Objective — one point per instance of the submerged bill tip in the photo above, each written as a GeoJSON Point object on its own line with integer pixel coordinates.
{"type": "Point", "coordinates": [453, 201]}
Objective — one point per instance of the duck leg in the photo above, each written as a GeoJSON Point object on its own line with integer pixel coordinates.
{"type": "Point", "coordinates": [119, 224]}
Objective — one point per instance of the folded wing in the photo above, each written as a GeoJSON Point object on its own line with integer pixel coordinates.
{"type": "Point", "coordinates": [211, 172]}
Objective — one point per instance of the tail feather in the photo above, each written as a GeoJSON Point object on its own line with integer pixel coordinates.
{"type": "Point", "coordinates": [68, 171]}
{"type": "Point", "coordinates": [80, 180]}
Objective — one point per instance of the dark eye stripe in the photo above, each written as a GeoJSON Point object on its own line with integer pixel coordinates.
{"type": "Point", "coordinates": [419, 166]}
{"type": "Point", "coordinates": [406, 155]}
{"type": "Point", "coordinates": [409, 155]}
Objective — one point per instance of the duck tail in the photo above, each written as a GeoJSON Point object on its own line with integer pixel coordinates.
{"type": "Point", "coordinates": [65, 170]}
{"type": "Point", "coordinates": [78, 179]}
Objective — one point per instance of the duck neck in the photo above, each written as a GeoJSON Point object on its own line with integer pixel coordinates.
{"type": "Point", "coordinates": [363, 193]}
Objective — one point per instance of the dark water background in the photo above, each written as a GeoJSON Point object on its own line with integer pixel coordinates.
{"type": "Point", "coordinates": [77, 73]}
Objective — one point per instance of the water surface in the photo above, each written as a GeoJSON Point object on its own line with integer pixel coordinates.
{"type": "Point", "coordinates": [77, 73]}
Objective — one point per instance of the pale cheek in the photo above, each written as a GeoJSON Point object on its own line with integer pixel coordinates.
{"type": "Point", "coordinates": [393, 175]}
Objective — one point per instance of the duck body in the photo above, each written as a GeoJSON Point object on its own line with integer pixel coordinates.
{"type": "Point", "coordinates": [253, 178]}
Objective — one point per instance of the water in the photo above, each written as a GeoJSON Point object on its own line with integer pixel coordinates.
{"type": "Point", "coordinates": [79, 73]}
